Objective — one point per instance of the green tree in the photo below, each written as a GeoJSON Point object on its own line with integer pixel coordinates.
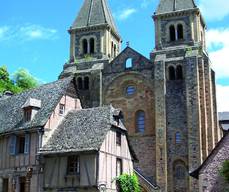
{"type": "Point", "coordinates": [21, 80]}
{"type": "Point", "coordinates": [128, 183]}
{"type": "Point", "coordinates": [4, 75]}
{"type": "Point", "coordinates": [224, 170]}
{"type": "Point", "coordinates": [24, 80]}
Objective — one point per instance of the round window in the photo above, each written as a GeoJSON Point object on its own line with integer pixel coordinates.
{"type": "Point", "coordinates": [130, 90]}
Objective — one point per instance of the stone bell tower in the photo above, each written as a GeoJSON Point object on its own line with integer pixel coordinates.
{"type": "Point", "coordinates": [185, 98]}
{"type": "Point", "coordinates": [94, 42]}
{"type": "Point", "coordinates": [94, 32]}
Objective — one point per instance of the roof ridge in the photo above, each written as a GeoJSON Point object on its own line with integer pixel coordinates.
{"type": "Point", "coordinates": [39, 87]}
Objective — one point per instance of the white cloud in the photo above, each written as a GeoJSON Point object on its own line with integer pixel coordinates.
{"type": "Point", "coordinates": [214, 9]}
{"type": "Point", "coordinates": [145, 3]}
{"type": "Point", "coordinates": [222, 98]}
{"type": "Point", "coordinates": [218, 45]}
{"type": "Point", "coordinates": [3, 31]}
{"type": "Point", "coordinates": [126, 13]}
{"type": "Point", "coordinates": [27, 32]}
{"type": "Point", "coordinates": [32, 32]}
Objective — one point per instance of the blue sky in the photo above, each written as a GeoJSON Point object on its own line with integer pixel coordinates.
{"type": "Point", "coordinates": [33, 35]}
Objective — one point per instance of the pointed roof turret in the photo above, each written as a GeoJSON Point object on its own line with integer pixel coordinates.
{"type": "Point", "coordinates": [92, 13]}
{"type": "Point", "coordinates": [166, 6]}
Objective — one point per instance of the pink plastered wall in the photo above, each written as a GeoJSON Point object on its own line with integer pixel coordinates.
{"type": "Point", "coordinates": [56, 118]}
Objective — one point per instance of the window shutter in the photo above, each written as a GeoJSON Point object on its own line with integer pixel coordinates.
{"type": "Point", "coordinates": [13, 141]}
{"type": "Point", "coordinates": [27, 141]}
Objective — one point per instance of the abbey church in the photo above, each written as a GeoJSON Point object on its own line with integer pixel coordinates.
{"type": "Point", "coordinates": [168, 104]}
{"type": "Point", "coordinates": [168, 101]}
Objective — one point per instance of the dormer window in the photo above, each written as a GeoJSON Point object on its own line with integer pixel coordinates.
{"type": "Point", "coordinates": [27, 114]}
{"type": "Point", "coordinates": [61, 109]}
{"type": "Point", "coordinates": [31, 107]}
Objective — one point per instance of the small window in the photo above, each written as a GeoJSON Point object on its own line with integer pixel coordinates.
{"type": "Point", "coordinates": [118, 138]}
{"type": "Point", "coordinates": [27, 114]}
{"type": "Point", "coordinates": [172, 33]}
{"type": "Point", "coordinates": [112, 49]}
{"type": "Point", "coordinates": [21, 145]}
{"type": "Point", "coordinates": [172, 73]}
{"type": "Point", "coordinates": [92, 45]}
{"type": "Point", "coordinates": [179, 72]}
{"type": "Point", "coordinates": [115, 50]}
{"type": "Point", "coordinates": [140, 122]}
{"type": "Point", "coordinates": [85, 46]}
{"type": "Point", "coordinates": [130, 90]}
{"type": "Point", "coordinates": [13, 142]}
{"type": "Point", "coordinates": [73, 166]}
{"type": "Point", "coordinates": [119, 167]}
{"type": "Point", "coordinates": [80, 83]}
{"type": "Point", "coordinates": [178, 138]}
{"type": "Point", "coordinates": [180, 31]}
{"type": "Point", "coordinates": [61, 109]}
{"type": "Point", "coordinates": [86, 83]}
{"type": "Point", "coordinates": [180, 172]}
{"type": "Point", "coordinates": [129, 63]}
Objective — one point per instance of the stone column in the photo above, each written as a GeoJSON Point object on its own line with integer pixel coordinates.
{"type": "Point", "coordinates": [193, 115]}
{"type": "Point", "coordinates": [160, 118]}
{"type": "Point", "coordinates": [209, 103]}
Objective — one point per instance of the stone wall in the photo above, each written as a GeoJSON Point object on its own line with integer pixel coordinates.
{"type": "Point", "coordinates": [116, 79]}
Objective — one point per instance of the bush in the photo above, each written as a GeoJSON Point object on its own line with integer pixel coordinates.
{"type": "Point", "coordinates": [128, 183]}
{"type": "Point", "coordinates": [224, 170]}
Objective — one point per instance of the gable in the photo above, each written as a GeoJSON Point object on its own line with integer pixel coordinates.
{"type": "Point", "coordinates": [12, 114]}
{"type": "Point", "coordinates": [138, 62]}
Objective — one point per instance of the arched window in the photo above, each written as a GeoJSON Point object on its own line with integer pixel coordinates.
{"type": "Point", "coordinates": [80, 83]}
{"type": "Point", "coordinates": [180, 31]}
{"type": "Point", "coordinates": [140, 121]}
{"type": "Point", "coordinates": [172, 73]}
{"type": "Point", "coordinates": [86, 83]}
{"type": "Point", "coordinates": [92, 46]}
{"type": "Point", "coordinates": [178, 138]}
{"type": "Point", "coordinates": [180, 176]}
{"type": "Point", "coordinates": [129, 63]}
{"type": "Point", "coordinates": [172, 33]}
{"type": "Point", "coordinates": [179, 72]}
{"type": "Point", "coordinates": [85, 46]}
{"type": "Point", "coordinates": [180, 172]}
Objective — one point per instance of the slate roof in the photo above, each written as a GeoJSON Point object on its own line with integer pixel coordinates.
{"type": "Point", "coordinates": [11, 112]}
{"type": "Point", "coordinates": [166, 6]}
{"type": "Point", "coordinates": [195, 173]}
{"type": "Point", "coordinates": [82, 130]}
{"type": "Point", "coordinates": [94, 12]}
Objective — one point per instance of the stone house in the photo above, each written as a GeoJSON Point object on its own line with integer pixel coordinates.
{"type": "Point", "coordinates": [49, 143]}
{"type": "Point", "coordinates": [168, 100]}
{"type": "Point", "coordinates": [208, 174]}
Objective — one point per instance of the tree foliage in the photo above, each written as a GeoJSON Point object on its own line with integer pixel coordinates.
{"type": "Point", "coordinates": [224, 170]}
{"type": "Point", "coordinates": [22, 80]}
{"type": "Point", "coordinates": [128, 183]}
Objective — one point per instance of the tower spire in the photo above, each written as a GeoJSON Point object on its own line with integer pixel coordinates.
{"type": "Point", "coordinates": [94, 13]}
{"type": "Point", "coordinates": [166, 6]}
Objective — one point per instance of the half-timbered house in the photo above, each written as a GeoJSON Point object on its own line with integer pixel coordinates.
{"type": "Point", "coordinates": [49, 143]}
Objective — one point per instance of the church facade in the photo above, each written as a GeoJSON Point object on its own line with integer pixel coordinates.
{"type": "Point", "coordinates": [168, 100]}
